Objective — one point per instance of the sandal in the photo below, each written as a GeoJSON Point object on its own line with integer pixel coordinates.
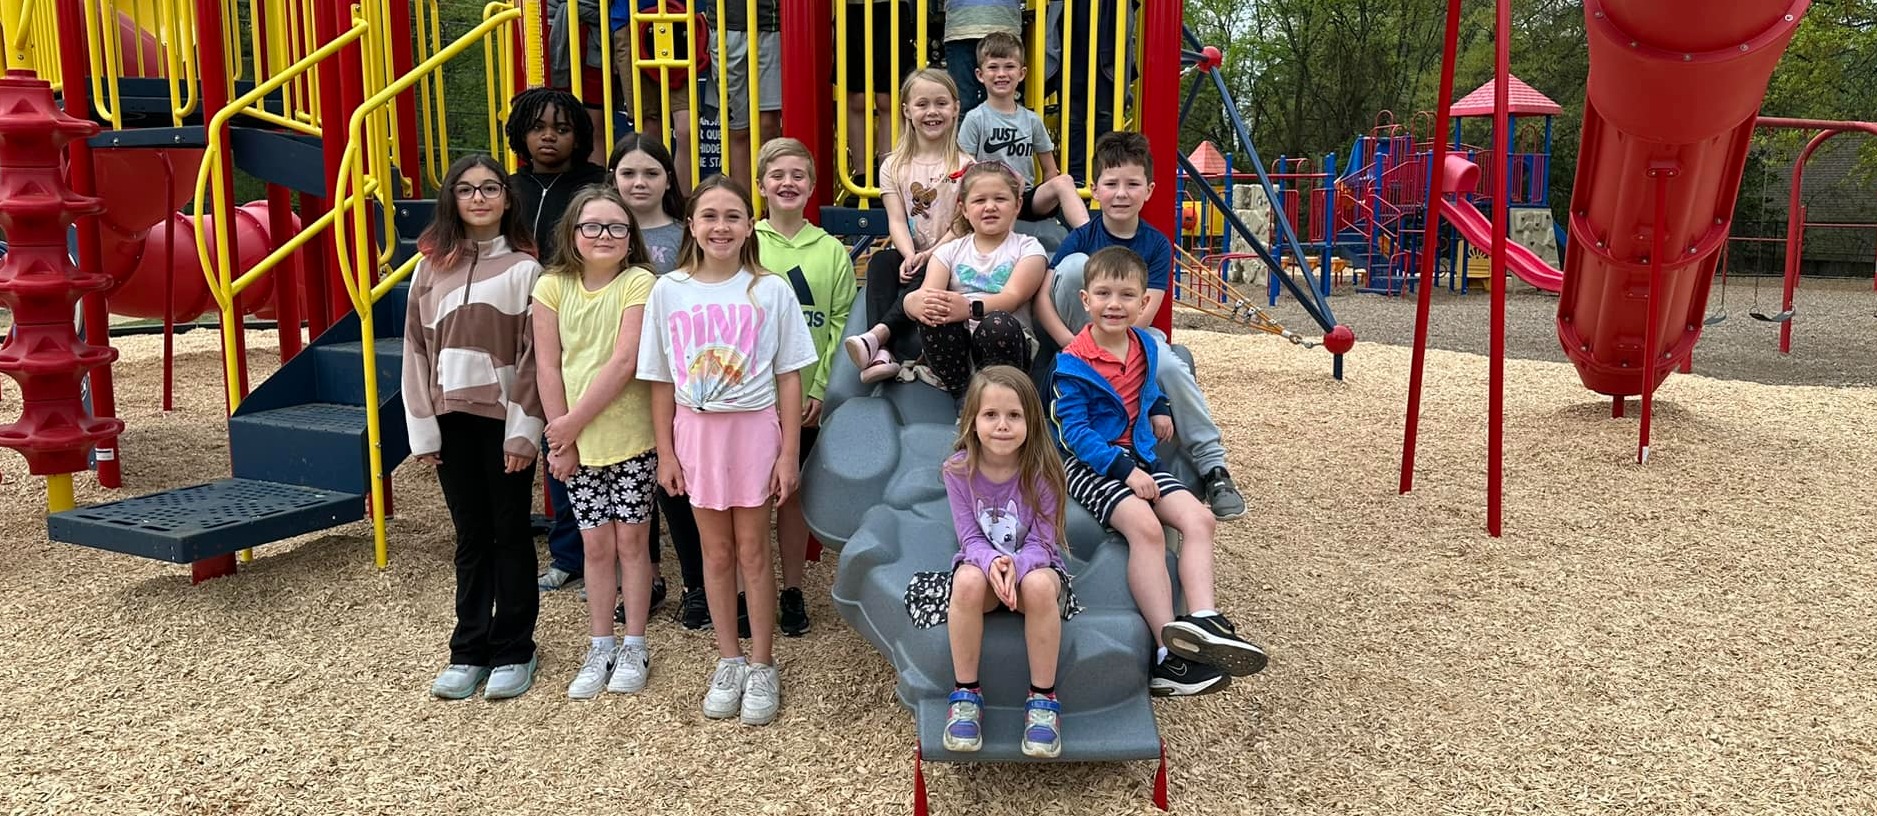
{"type": "Point", "coordinates": [880, 369]}
{"type": "Point", "coordinates": [863, 349]}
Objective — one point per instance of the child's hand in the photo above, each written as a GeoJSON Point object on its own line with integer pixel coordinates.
{"type": "Point", "coordinates": [563, 461]}
{"type": "Point", "coordinates": [1143, 485]}
{"type": "Point", "coordinates": [516, 463]}
{"type": "Point", "coordinates": [670, 475]}
{"type": "Point", "coordinates": [811, 413]}
{"type": "Point", "coordinates": [1163, 427]}
{"type": "Point", "coordinates": [430, 459]}
{"type": "Point", "coordinates": [562, 432]}
{"type": "Point", "coordinates": [910, 268]}
{"type": "Point", "coordinates": [785, 478]}
{"type": "Point", "coordinates": [1004, 580]}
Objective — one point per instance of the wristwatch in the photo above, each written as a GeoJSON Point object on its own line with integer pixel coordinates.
{"type": "Point", "coordinates": [977, 310]}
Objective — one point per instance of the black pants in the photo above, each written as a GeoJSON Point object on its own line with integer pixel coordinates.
{"type": "Point", "coordinates": [886, 298]}
{"type": "Point", "coordinates": [676, 512]}
{"type": "Point", "coordinates": [496, 599]}
{"type": "Point", "coordinates": [953, 351]}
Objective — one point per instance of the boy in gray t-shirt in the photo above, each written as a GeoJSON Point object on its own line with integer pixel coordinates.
{"type": "Point", "coordinates": [1003, 131]}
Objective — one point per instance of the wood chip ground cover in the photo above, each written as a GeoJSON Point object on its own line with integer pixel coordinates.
{"type": "Point", "coordinates": [1692, 636]}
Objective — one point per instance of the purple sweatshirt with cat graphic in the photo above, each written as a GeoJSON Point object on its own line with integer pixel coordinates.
{"type": "Point", "coordinates": [992, 521]}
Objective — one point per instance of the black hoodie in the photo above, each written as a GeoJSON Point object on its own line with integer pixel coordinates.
{"type": "Point", "coordinates": [544, 198]}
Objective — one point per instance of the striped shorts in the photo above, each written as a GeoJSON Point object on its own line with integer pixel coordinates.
{"type": "Point", "coordinates": [1101, 495]}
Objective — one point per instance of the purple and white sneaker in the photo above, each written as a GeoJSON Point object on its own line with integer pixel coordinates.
{"type": "Point", "coordinates": [963, 730]}
{"type": "Point", "coordinates": [1042, 731]}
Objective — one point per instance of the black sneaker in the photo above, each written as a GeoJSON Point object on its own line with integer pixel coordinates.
{"type": "Point", "coordinates": [1212, 640]}
{"type": "Point", "coordinates": [792, 613]}
{"type": "Point", "coordinates": [693, 610]}
{"type": "Point", "coordinates": [742, 616]}
{"type": "Point", "coordinates": [1222, 494]}
{"type": "Point", "coordinates": [658, 600]}
{"type": "Point", "coordinates": [1178, 677]}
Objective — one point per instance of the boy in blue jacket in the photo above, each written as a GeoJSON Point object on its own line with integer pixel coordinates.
{"type": "Point", "coordinates": [1107, 417]}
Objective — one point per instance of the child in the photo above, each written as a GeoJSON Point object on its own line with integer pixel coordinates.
{"type": "Point", "coordinates": [967, 22]}
{"type": "Point", "coordinates": [551, 135]}
{"type": "Point", "coordinates": [975, 302]}
{"type": "Point", "coordinates": [724, 348]}
{"type": "Point", "coordinates": [738, 39]}
{"type": "Point", "coordinates": [919, 189]}
{"type": "Point", "coordinates": [642, 172]}
{"type": "Point", "coordinates": [1001, 130]}
{"type": "Point", "coordinates": [468, 316]}
{"type": "Point", "coordinates": [1006, 488]}
{"type": "Point", "coordinates": [1108, 415]}
{"type": "Point", "coordinates": [817, 266]}
{"type": "Point", "coordinates": [1123, 182]}
{"type": "Point", "coordinates": [871, 62]}
{"type": "Point", "coordinates": [590, 308]}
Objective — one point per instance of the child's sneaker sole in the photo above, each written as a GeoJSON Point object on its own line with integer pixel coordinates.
{"type": "Point", "coordinates": [959, 746]}
{"type": "Point", "coordinates": [1232, 656]}
{"type": "Point", "coordinates": [1038, 751]}
{"type": "Point", "coordinates": [1162, 687]}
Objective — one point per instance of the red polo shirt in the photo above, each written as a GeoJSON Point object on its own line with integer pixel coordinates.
{"type": "Point", "coordinates": [1125, 376]}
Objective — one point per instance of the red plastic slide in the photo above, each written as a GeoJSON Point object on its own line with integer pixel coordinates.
{"type": "Point", "coordinates": [1462, 177]}
{"type": "Point", "coordinates": [1674, 88]}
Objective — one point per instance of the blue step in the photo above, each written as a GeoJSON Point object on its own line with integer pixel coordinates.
{"type": "Point", "coordinates": [207, 520]}
{"type": "Point", "coordinates": [340, 373]}
{"type": "Point", "coordinates": [317, 444]}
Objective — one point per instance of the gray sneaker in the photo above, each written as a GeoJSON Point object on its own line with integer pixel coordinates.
{"type": "Point", "coordinates": [762, 695]}
{"type": "Point", "coordinates": [725, 697]}
{"type": "Point", "coordinates": [630, 670]}
{"type": "Point", "coordinates": [1222, 494]}
{"type": "Point", "coordinates": [511, 680]}
{"type": "Point", "coordinates": [458, 681]}
{"type": "Point", "coordinates": [555, 578]}
{"type": "Point", "coordinates": [593, 674]}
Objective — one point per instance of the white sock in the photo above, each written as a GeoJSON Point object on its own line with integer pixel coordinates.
{"type": "Point", "coordinates": [1203, 613]}
{"type": "Point", "coordinates": [739, 660]}
{"type": "Point", "coordinates": [633, 640]}
{"type": "Point", "coordinates": [605, 644]}
{"type": "Point", "coordinates": [1160, 655]}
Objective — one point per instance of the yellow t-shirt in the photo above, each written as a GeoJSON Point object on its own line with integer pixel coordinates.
{"type": "Point", "coordinates": [589, 328]}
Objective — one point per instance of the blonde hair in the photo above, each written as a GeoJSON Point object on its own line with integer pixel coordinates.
{"type": "Point", "coordinates": [1037, 462]}
{"type": "Point", "coordinates": [906, 144]}
{"type": "Point", "coordinates": [782, 148]}
{"type": "Point", "coordinates": [976, 172]}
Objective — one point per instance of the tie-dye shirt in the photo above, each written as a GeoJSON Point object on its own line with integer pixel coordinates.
{"type": "Point", "coordinates": [722, 345]}
{"type": "Point", "coordinates": [977, 274]}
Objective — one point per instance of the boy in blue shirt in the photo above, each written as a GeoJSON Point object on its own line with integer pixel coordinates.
{"type": "Point", "coordinates": [1124, 168]}
{"type": "Point", "coordinates": [1107, 416]}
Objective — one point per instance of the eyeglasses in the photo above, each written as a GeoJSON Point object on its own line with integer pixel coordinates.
{"type": "Point", "coordinates": [592, 229]}
{"type": "Point", "coordinates": [488, 189]}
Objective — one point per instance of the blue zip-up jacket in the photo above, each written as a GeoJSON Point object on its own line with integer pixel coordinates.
{"type": "Point", "coordinates": [1087, 414]}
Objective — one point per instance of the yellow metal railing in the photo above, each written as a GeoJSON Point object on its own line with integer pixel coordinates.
{"type": "Point", "coordinates": [32, 38]}
{"type": "Point", "coordinates": [365, 169]}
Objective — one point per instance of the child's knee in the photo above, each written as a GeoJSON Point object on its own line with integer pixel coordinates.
{"type": "Point", "coordinates": [969, 586]}
{"type": "Point", "coordinates": [1038, 587]}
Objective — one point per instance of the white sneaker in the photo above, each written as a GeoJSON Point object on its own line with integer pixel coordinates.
{"type": "Point", "coordinates": [762, 694]}
{"type": "Point", "coordinates": [555, 578]}
{"type": "Point", "coordinates": [630, 669]}
{"type": "Point", "coordinates": [593, 673]}
{"type": "Point", "coordinates": [725, 697]}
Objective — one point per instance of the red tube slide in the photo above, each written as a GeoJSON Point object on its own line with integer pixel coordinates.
{"type": "Point", "coordinates": [1674, 88]}
{"type": "Point", "coordinates": [1462, 177]}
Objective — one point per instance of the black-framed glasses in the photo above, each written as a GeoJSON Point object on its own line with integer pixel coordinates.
{"type": "Point", "coordinates": [592, 229]}
{"type": "Point", "coordinates": [488, 190]}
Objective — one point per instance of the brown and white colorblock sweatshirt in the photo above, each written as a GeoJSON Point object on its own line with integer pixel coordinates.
{"type": "Point", "coordinates": [469, 347]}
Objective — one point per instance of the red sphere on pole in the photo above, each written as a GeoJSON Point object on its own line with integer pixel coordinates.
{"type": "Point", "coordinates": [1340, 340]}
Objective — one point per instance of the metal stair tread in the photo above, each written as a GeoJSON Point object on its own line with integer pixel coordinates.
{"type": "Point", "coordinates": [321, 416]}
{"type": "Point", "coordinates": [383, 346]}
{"type": "Point", "coordinates": [200, 521]}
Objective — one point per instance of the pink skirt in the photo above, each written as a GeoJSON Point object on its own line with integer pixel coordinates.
{"type": "Point", "coordinates": [728, 457]}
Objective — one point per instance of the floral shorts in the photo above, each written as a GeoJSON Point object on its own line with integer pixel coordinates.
{"type": "Point", "coordinates": [929, 598]}
{"type": "Point", "coordinates": [621, 491]}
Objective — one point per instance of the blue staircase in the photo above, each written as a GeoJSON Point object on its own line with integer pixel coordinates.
{"type": "Point", "coordinates": [299, 454]}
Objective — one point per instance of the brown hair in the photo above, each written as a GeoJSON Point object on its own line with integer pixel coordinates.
{"type": "Point", "coordinates": [1121, 147]}
{"type": "Point", "coordinates": [690, 255]}
{"type": "Point", "coordinates": [975, 173]}
{"type": "Point", "coordinates": [1000, 45]}
{"type": "Point", "coordinates": [1037, 461]}
{"type": "Point", "coordinates": [779, 148]}
{"type": "Point", "coordinates": [567, 260]}
{"type": "Point", "coordinates": [1115, 263]}
{"type": "Point", "coordinates": [904, 146]}
{"type": "Point", "coordinates": [445, 243]}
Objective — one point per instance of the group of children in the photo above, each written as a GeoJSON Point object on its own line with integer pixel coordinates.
{"type": "Point", "coordinates": [669, 359]}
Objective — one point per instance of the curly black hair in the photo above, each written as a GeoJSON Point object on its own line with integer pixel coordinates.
{"type": "Point", "coordinates": [531, 105]}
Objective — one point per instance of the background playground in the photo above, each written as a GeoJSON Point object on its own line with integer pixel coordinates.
{"type": "Point", "coordinates": [1713, 649]}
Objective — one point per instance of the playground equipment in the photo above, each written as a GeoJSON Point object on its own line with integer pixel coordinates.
{"type": "Point", "coordinates": [1796, 222]}
{"type": "Point", "coordinates": [1635, 286]}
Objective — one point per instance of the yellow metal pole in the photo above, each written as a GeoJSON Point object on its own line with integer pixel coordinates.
{"type": "Point", "coordinates": [536, 63]}
{"type": "Point", "coordinates": [13, 18]}
{"type": "Point", "coordinates": [59, 493]}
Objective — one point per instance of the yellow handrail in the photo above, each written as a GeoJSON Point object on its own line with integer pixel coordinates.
{"type": "Point", "coordinates": [357, 260]}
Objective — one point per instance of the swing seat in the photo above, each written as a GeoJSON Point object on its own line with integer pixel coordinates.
{"type": "Point", "coordinates": [1778, 317]}
{"type": "Point", "coordinates": [1715, 319]}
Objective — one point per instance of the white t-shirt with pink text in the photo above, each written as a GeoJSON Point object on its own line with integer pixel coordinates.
{"type": "Point", "coordinates": [722, 345]}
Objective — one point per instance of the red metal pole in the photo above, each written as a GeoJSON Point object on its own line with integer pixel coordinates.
{"type": "Point", "coordinates": [1795, 233]}
{"type": "Point", "coordinates": [287, 276]}
{"type": "Point", "coordinates": [1425, 297]}
{"type": "Point", "coordinates": [1661, 172]}
{"type": "Point", "coordinates": [1501, 215]}
{"type": "Point", "coordinates": [807, 113]}
{"type": "Point", "coordinates": [1159, 115]}
{"type": "Point", "coordinates": [402, 62]}
{"type": "Point", "coordinates": [214, 72]}
{"type": "Point", "coordinates": [346, 74]}
{"type": "Point", "coordinates": [169, 292]}
{"type": "Point", "coordinates": [72, 73]}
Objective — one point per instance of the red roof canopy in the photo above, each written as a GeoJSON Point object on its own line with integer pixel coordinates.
{"type": "Point", "coordinates": [1522, 98]}
{"type": "Point", "coordinates": [1207, 160]}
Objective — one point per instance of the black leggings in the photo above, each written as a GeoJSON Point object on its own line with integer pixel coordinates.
{"type": "Point", "coordinates": [886, 298]}
{"type": "Point", "coordinates": [676, 512]}
{"type": "Point", "coordinates": [496, 597]}
{"type": "Point", "coordinates": [953, 351]}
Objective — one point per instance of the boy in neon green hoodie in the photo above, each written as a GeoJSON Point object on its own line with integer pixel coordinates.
{"type": "Point", "coordinates": [818, 266]}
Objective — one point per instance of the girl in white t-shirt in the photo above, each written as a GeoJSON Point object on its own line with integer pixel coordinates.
{"type": "Point", "coordinates": [723, 345]}
{"type": "Point", "coordinates": [974, 307]}
{"type": "Point", "coordinates": [919, 190]}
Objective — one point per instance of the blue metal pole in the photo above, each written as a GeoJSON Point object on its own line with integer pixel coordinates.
{"type": "Point", "coordinates": [1329, 220]}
